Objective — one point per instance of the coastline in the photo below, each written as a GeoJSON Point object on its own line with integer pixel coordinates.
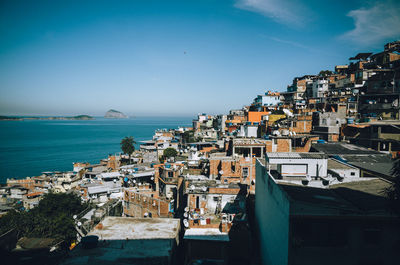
{"type": "Point", "coordinates": [22, 118]}
{"type": "Point", "coordinates": [34, 146]}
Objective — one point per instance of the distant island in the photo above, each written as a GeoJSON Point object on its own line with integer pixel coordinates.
{"type": "Point", "coordinates": [115, 114]}
{"type": "Point", "coordinates": [21, 118]}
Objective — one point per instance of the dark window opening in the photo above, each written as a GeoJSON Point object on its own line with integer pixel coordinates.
{"type": "Point", "coordinates": [245, 172]}
{"type": "Point", "coordinates": [233, 167]}
{"type": "Point", "coordinates": [197, 202]}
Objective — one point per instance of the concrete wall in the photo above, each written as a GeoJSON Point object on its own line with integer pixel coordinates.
{"type": "Point", "coordinates": [346, 173]}
{"type": "Point", "coordinates": [272, 218]}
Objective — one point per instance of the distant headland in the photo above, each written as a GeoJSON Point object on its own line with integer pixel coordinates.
{"type": "Point", "coordinates": [21, 118]}
{"type": "Point", "coordinates": [115, 114]}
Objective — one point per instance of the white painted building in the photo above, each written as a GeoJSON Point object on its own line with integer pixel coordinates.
{"type": "Point", "coordinates": [267, 99]}
{"type": "Point", "coordinates": [343, 170]}
{"type": "Point", "coordinates": [202, 117]}
{"type": "Point", "coordinates": [248, 131]}
{"type": "Point", "coordinates": [310, 165]}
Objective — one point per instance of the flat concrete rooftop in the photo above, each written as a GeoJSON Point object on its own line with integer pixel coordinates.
{"type": "Point", "coordinates": [119, 228]}
{"type": "Point", "coordinates": [207, 234]}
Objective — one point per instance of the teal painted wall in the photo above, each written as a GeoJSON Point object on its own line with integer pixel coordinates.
{"type": "Point", "coordinates": [272, 217]}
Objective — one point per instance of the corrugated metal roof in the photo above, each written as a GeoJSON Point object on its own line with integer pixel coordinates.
{"type": "Point", "coordinates": [292, 155]}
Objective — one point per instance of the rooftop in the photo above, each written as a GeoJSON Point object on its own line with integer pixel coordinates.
{"type": "Point", "coordinates": [248, 141]}
{"type": "Point", "coordinates": [122, 228]}
{"type": "Point", "coordinates": [335, 164]}
{"type": "Point", "coordinates": [376, 163]}
{"type": "Point", "coordinates": [126, 240]}
{"type": "Point", "coordinates": [206, 234]}
{"type": "Point", "coordinates": [352, 198]}
{"type": "Point", "coordinates": [291, 155]}
{"type": "Point", "coordinates": [361, 56]}
{"type": "Point", "coordinates": [340, 148]}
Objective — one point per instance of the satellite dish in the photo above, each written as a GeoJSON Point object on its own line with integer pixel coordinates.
{"type": "Point", "coordinates": [185, 214]}
{"type": "Point", "coordinates": [152, 178]}
{"type": "Point", "coordinates": [79, 223]}
{"type": "Point", "coordinates": [192, 187]}
{"type": "Point", "coordinates": [75, 216]}
{"type": "Point", "coordinates": [204, 188]}
{"type": "Point", "coordinates": [185, 223]}
{"type": "Point", "coordinates": [186, 209]}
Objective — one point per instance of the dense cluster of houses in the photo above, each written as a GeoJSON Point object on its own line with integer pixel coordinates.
{"type": "Point", "coordinates": [300, 173]}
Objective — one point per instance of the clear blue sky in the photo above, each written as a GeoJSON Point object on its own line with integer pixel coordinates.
{"type": "Point", "coordinates": [174, 57]}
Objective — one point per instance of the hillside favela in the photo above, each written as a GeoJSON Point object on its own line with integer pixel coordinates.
{"type": "Point", "coordinates": [292, 164]}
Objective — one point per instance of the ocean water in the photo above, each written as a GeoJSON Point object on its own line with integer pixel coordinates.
{"type": "Point", "coordinates": [30, 147]}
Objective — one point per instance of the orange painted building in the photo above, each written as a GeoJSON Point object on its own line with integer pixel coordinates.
{"type": "Point", "coordinates": [256, 116]}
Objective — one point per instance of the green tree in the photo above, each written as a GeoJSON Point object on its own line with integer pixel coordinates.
{"type": "Point", "coordinates": [128, 146]}
{"type": "Point", "coordinates": [325, 73]}
{"type": "Point", "coordinates": [393, 191]}
{"type": "Point", "coordinates": [52, 218]}
{"type": "Point", "coordinates": [170, 152]}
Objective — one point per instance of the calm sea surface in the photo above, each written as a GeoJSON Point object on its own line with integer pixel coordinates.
{"type": "Point", "coordinates": [30, 147]}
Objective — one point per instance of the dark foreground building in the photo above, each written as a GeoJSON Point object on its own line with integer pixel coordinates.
{"type": "Point", "coordinates": [347, 223]}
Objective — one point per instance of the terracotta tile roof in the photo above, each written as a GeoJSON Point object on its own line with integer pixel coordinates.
{"type": "Point", "coordinates": [34, 194]}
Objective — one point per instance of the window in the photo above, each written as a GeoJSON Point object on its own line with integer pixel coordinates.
{"type": "Point", "coordinates": [352, 173]}
{"type": "Point", "coordinates": [170, 174]}
{"type": "Point", "coordinates": [197, 202]}
{"type": "Point", "coordinates": [233, 167]}
{"type": "Point", "coordinates": [215, 198]}
{"type": "Point", "coordinates": [245, 172]}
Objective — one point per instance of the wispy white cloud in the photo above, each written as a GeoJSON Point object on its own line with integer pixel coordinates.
{"type": "Point", "coordinates": [378, 22]}
{"type": "Point", "coordinates": [289, 12]}
{"type": "Point", "coordinates": [291, 43]}
{"type": "Point", "coordinates": [296, 44]}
